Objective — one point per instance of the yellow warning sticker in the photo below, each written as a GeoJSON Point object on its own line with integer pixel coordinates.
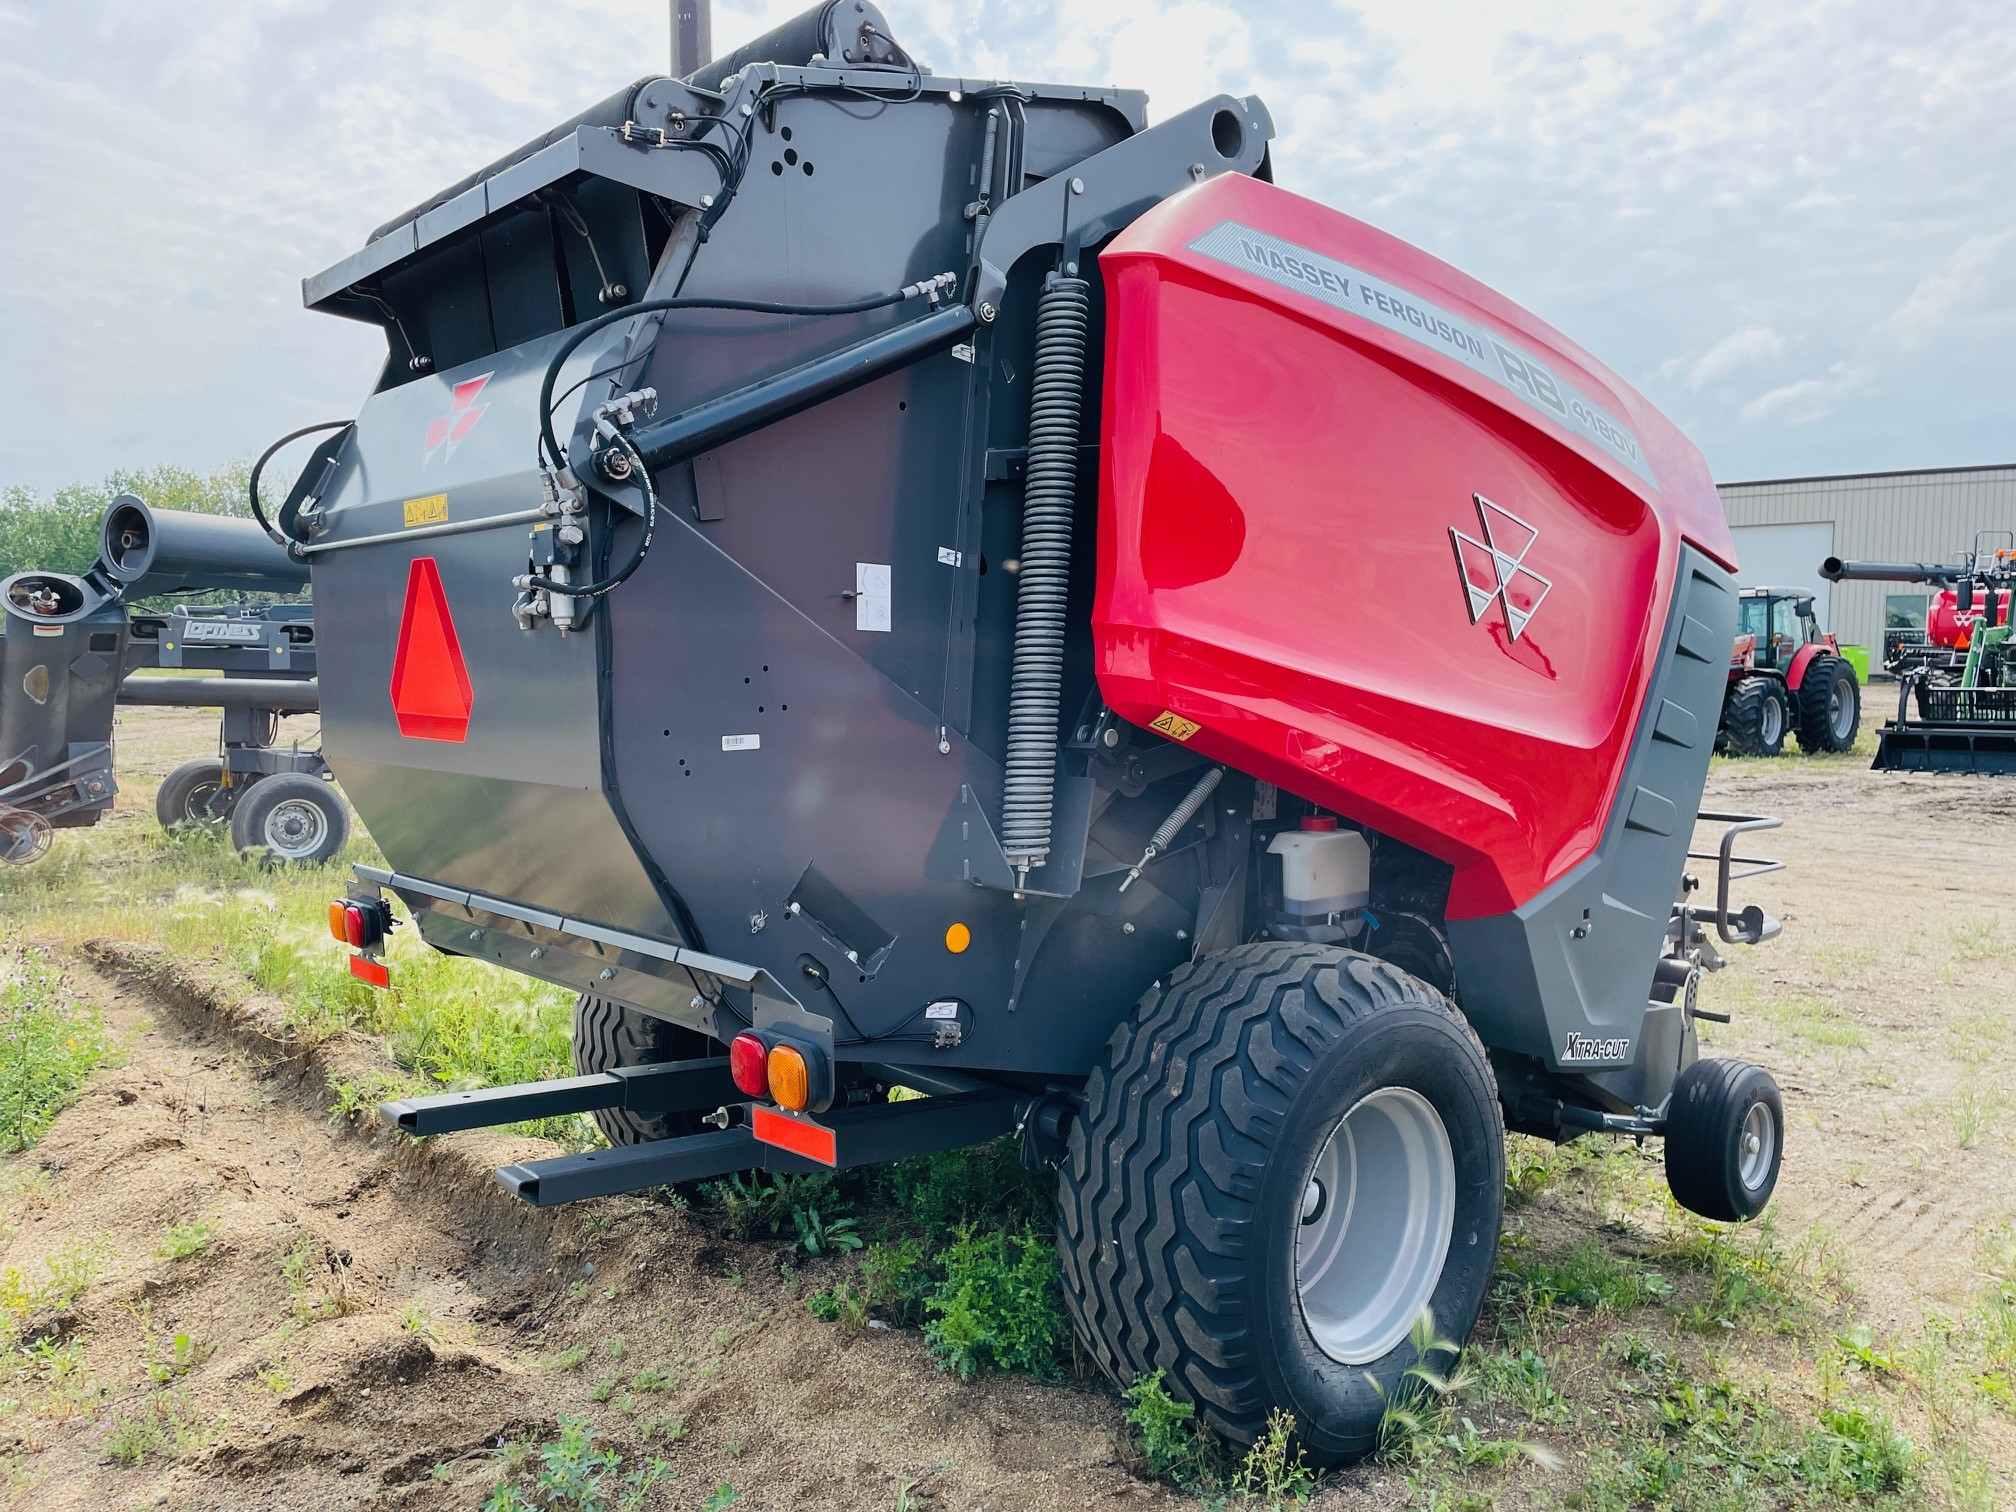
{"type": "Point", "coordinates": [432, 510]}
{"type": "Point", "coordinates": [1175, 726]}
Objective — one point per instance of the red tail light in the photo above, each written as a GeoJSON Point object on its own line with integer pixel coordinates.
{"type": "Point", "coordinates": [749, 1065]}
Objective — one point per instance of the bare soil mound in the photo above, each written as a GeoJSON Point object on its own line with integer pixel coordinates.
{"type": "Point", "coordinates": [366, 1321]}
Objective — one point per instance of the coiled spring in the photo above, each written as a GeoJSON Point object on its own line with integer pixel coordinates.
{"type": "Point", "coordinates": [1036, 681]}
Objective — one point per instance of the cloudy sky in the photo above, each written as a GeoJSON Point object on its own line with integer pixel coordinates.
{"type": "Point", "coordinates": [1793, 225]}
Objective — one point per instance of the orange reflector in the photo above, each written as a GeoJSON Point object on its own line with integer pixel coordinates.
{"type": "Point", "coordinates": [336, 922]}
{"type": "Point", "coordinates": [431, 697]}
{"type": "Point", "coordinates": [957, 938]}
{"type": "Point", "coordinates": [790, 1077]}
{"type": "Point", "coordinates": [800, 1136]}
{"type": "Point", "coordinates": [367, 970]}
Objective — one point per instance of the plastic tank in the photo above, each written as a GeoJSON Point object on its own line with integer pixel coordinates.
{"type": "Point", "coordinates": [1326, 881]}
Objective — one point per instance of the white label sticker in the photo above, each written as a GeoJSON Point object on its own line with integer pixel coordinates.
{"type": "Point", "coordinates": [949, 557]}
{"type": "Point", "coordinates": [741, 742]}
{"type": "Point", "coordinates": [945, 1010]}
{"type": "Point", "coordinates": [871, 596]}
{"type": "Point", "coordinates": [963, 351]}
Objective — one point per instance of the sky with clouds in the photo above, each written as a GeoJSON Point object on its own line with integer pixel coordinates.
{"type": "Point", "coordinates": [1792, 225]}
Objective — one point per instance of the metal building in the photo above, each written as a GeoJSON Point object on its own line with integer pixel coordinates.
{"type": "Point", "coordinates": [1785, 527]}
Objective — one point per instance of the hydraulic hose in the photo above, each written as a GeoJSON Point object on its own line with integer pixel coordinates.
{"type": "Point", "coordinates": [642, 549]}
{"type": "Point", "coordinates": [252, 487]}
{"type": "Point", "coordinates": [1036, 681]}
{"type": "Point", "coordinates": [581, 333]}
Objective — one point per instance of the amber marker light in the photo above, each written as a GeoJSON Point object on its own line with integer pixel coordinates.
{"type": "Point", "coordinates": [790, 1078]}
{"type": "Point", "coordinates": [957, 938]}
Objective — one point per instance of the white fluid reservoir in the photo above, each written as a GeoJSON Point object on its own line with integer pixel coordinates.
{"type": "Point", "coordinates": [1326, 880]}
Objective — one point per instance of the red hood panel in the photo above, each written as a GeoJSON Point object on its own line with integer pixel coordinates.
{"type": "Point", "coordinates": [1392, 542]}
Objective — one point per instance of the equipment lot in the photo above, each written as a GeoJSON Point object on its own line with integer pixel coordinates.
{"type": "Point", "coordinates": [367, 1321]}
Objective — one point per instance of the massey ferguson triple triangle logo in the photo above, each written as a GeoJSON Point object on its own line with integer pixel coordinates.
{"type": "Point", "coordinates": [446, 432]}
{"type": "Point", "coordinates": [1495, 567]}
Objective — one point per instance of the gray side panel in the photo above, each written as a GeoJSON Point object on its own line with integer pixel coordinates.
{"type": "Point", "coordinates": [518, 806]}
{"type": "Point", "coordinates": [1578, 959]}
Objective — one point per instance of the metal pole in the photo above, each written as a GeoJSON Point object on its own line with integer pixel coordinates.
{"type": "Point", "coordinates": [692, 36]}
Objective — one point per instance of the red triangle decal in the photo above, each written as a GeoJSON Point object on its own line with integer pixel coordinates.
{"type": "Point", "coordinates": [430, 681]}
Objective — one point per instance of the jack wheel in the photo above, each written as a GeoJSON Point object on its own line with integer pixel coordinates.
{"type": "Point", "coordinates": [194, 795]}
{"type": "Point", "coordinates": [294, 819]}
{"type": "Point", "coordinates": [1284, 1191]}
{"type": "Point", "coordinates": [1725, 1139]}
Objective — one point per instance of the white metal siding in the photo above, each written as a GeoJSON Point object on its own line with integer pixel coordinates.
{"type": "Point", "coordinates": [1787, 556]}
{"type": "Point", "coordinates": [1885, 517]}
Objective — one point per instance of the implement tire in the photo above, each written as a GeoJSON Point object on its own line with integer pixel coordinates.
{"type": "Point", "coordinates": [608, 1035]}
{"type": "Point", "coordinates": [1830, 706]}
{"type": "Point", "coordinates": [292, 819]}
{"type": "Point", "coordinates": [1288, 1155]}
{"type": "Point", "coordinates": [194, 794]}
{"type": "Point", "coordinates": [1755, 717]}
{"type": "Point", "coordinates": [1725, 1137]}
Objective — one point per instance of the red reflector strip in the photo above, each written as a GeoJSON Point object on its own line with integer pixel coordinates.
{"type": "Point", "coordinates": [800, 1136]}
{"type": "Point", "coordinates": [367, 970]}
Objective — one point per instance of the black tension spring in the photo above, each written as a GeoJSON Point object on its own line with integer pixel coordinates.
{"type": "Point", "coordinates": [1036, 681]}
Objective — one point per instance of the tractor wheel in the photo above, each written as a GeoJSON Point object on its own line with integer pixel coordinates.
{"type": "Point", "coordinates": [608, 1035]}
{"type": "Point", "coordinates": [1830, 706]}
{"type": "Point", "coordinates": [194, 794]}
{"type": "Point", "coordinates": [1725, 1137]}
{"type": "Point", "coordinates": [1284, 1190]}
{"type": "Point", "coordinates": [295, 819]}
{"type": "Point", "coordinates": [1755, 717]}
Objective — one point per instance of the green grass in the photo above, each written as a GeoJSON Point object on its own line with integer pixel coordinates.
{"type": "Point", "coordinates": [448, 1022]}
{"type": "Point", "coordinates": [568, 1473]}
{"type": "Point", "coordinates": [185, 1241]}
{"type": "Point", "coordinates": [997, 1307]}
{"type": "Point", "coordinates": [52, 1044]}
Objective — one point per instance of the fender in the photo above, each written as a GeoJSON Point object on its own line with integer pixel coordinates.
{"type": "Point", "coordinates": [1802, 659]}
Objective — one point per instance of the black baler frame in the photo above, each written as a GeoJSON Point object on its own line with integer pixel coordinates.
{"type": "Point", "coordinates": [967, 1113]}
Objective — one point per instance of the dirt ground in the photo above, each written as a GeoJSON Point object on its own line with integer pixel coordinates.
{"type": "Point", "coordinates": [446, 1317]}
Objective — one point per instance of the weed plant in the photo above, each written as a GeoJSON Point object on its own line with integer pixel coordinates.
{"type": "Point", "coordinates": [52, 1044]}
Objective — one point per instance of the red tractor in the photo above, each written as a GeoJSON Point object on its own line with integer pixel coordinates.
{"type": "Point", "coordinates": [1785, 675]}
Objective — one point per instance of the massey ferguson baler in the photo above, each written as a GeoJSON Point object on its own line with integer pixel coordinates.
{"type": "Point", "coordinates": [877, 579]}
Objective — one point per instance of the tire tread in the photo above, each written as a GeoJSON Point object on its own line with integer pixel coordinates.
{"type": "Point", "coordinates": [1157, 1194]}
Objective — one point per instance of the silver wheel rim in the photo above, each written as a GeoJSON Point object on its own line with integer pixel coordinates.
{"type": "Point", "coordinates": [1756, 1144]}
{"type": "Point", "coordinates": [1378, 1208]}
{"type": "Point", "coordinates": [294, 829]}
{"type": "Point", "coordinates": [1771, 724]}
{"type": "Point", "coordinates": [1839, 712]}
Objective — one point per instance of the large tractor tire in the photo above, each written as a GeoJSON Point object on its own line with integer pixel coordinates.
{"type": "Point", "coordinates": [194, 794]}
{"type": "Point", "coordinates": [1725, 1139]}
{"type": "Point", "coordinates": [293, 819]}
{"type": "Point", "coordinates": [608, 1035]}
{"type": "Point", "coordinates": [1830, 706]}
{"type": "Point", "coordinates": [1290, 1156]}
{"type": "Point", "coordinates": [1755, 717]}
